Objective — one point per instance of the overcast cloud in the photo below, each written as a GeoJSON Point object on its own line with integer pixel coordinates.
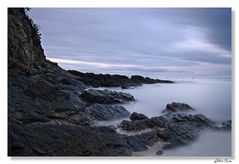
{"type": "Point", "coordinates": [152, 41]}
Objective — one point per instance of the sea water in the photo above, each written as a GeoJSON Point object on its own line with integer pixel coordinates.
{"type": "Point", "coordinates": [211, 97]}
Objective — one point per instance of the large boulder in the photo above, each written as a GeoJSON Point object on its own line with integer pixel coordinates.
{"type": "Point", "coordinates": [106, 96]}
{"type": "Point", "coordinates": [137, 116]}
{"type": "Point", "coordinates": [177, 107]}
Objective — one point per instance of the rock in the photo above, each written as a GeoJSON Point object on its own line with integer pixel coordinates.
{"type": "Point", "coordinates": [182, 134]}
{"type": "Point", "coordinates": [177, 107]}
{"type": "Point", "coordinates": [139, 125]}
{"type": "Point", "coordinates": [137, 116]}
{"type": "Point", "coordinates": [106, 112]}
{"type": "Point", "coordinates": [106, 96]}
{"type": "Point", "coordinates": [160, 152]}
{"type": "Point", "coordinates": [24, 46]}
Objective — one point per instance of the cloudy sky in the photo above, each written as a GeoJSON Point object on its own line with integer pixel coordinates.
{"type": "Point", "coordinates": [148, 41]}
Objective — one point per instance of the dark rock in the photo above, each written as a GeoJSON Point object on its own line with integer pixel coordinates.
{"type": "Point", "coordinates": [227, 124]}
{"type": "Point", "coordinates": [137, 116]}
{"type": "Point", "coordinates": [138, 125]}
{"type": "Point", "coordinates": [177, 107]}
{"type": "Point", "coordinates": [160, 152]}
{"type": "Point", "coordinates": [182, 134]}
{"type": "Point", "coordinates": [106, 112]}
{"type": "Point", "coordinates": [106, 96]}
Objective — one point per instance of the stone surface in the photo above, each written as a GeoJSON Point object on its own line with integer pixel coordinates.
{"type": "Point", "coordinates": [137, 116]}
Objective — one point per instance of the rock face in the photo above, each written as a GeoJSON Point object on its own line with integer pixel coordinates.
{"type": "Point", "coordinates": [106, 96]}
{"type": "Point", "coordinates": [177, 107]}
{"type": "Point", "coordinates": [107, 80]}
{"type": "Point", "coordinates": [137, 116]}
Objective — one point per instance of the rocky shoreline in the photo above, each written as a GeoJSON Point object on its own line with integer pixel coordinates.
{"type": "Point", "coordinates": [107, 80]}
{"type": "Point", "coordinates": [53, 112]}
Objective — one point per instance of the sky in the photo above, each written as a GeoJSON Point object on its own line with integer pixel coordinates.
{"type": "Point", "coordinates": [155, 42]}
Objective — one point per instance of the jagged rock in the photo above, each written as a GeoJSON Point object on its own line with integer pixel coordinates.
{"type": "Point", "coordinates": [106, 96]}
{"type": "Point", "coordinates": [177, 107]}
{"type": "Point", "coordinates": [137, 116]}
{"type": "Point", "coordinates": [182, 134]}
{"type": "Point", "coordinates": [106, 112]}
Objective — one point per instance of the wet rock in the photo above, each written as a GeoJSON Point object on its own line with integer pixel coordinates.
{"type": "Point", "coordinates": [106, 112]}
{"type": "Point", "coordinates": [182, 134]}
{"type": "Point", "coordinates": [137, 116]}
{"type": "Point", "coordinates": [177, 107]}
{"type": "Point", "coordinates": [106, 96]}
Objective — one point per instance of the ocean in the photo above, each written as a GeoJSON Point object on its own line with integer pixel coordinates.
{"type": "Point", "coordinates": [211, 97]}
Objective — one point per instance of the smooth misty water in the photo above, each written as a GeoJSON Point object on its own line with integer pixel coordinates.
{"type": "Point", "coordinates": [209, 97]}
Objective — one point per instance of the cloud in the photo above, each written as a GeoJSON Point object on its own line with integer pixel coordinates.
{"type": "Point", "coordinates": [129, 39]}
{"type": "Point", "coordinates": [96, 64]}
